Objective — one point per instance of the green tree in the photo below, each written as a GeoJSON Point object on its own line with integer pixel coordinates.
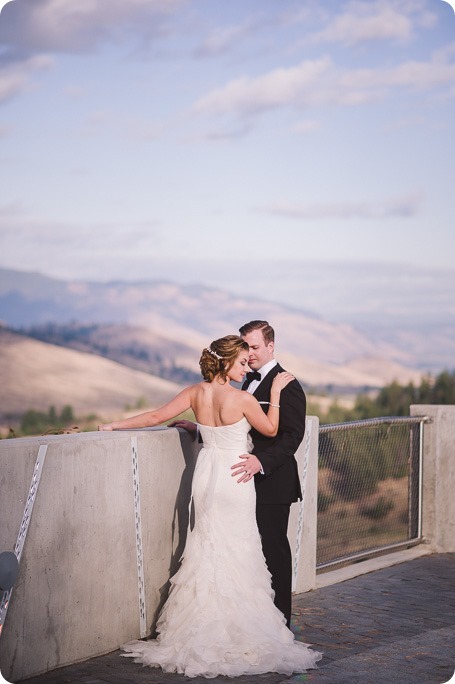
{"type": "Point", "coordinates": [444, 389]}
{"type": "Point", "coordinates": [66, 416]}
{"type": "Point", "coordinates": [395, 399]}
{"type": "Point", "coordinates": [37, 422]}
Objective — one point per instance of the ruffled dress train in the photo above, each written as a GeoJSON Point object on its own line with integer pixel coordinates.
{"type": "Point", "coordinates": [220, 618]}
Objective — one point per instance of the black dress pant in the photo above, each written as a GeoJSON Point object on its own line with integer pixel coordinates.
{"type": "Point", "coordinates": [272, 520]}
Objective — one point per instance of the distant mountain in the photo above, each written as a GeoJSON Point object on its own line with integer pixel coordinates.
{"type": "Point", "coordinates": [166, 323]}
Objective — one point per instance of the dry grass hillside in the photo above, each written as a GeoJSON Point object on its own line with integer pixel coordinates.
{"type": "Point", "coordinates": [37, 375]}
{"type": "Point", "coordinates": [133, 346]}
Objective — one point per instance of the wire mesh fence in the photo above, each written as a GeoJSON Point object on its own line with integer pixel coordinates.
{"type": "Point", "coordinates": [369, 491]}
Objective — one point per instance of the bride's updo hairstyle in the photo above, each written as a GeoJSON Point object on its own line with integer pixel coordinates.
{"type": "Point", "coordinates": [219, 357]}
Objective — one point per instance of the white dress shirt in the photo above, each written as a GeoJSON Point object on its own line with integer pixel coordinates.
{"type": "Point", "coordinates": [263, 371]}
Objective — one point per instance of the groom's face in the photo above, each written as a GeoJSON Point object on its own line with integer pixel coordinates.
{"type": "Point", "coordinates": [260, 353]}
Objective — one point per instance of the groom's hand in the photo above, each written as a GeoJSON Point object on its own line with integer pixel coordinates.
{"type": "Point", "coordinates": [246, 468]}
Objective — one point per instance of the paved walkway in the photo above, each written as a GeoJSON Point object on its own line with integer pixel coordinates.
{"type": "Point", "coordinates": [392, 626]}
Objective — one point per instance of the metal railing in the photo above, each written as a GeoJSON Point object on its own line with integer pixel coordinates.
{"type": "Point", "coordinates": [370, 488]}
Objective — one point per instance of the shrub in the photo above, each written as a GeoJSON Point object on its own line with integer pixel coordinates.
{"type": "Point", "coordinates": [324, 501]}
{"type": "Point", "coordinates": [38, 422]}
{"type": "Point", "coordinates": [378, 509]}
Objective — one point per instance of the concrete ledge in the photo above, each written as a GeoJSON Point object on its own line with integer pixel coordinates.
{"type": "Point", "coordinates": [325, 579]}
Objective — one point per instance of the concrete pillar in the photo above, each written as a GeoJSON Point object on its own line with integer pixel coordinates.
{"type": "Point", "coordinates": [302, 531]}
{"type": "Point", "coordinates": [438, 500]}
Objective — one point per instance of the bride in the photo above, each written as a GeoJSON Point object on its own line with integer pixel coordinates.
{"type": "Point", "coordinates": [219, 618]}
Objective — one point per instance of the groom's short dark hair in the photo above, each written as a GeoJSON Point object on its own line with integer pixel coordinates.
{"type": "Point", "coordinates": [268, 332]}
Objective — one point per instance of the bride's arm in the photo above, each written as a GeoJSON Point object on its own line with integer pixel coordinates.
{"type": "Point", "coordinates": [266, 423]}
{"type": "Point", "coordinates": [182, 402]}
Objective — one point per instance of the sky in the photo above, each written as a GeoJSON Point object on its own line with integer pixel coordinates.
{"type": "Point", "coordinates": [301, 151]}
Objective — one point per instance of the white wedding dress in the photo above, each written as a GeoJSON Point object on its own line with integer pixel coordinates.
{"type": "Point", "coordinates": [220, 618]}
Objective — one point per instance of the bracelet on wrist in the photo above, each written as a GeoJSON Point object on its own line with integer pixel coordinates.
{"type": "Point", "coordinates": [275, 405]}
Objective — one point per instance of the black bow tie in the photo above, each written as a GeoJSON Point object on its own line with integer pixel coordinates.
{"type": "Point", "coordinates": [252, 375]}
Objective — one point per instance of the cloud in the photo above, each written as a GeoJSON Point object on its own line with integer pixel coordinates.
{"type": "Point", "coordinates": [403, 207]}
{"type": "Point", "coordinates": [21, 230]}
{"type": "Point", "coordinates": [305, 126]}
{"type": "Point", "coordinates": [15, 77]}
{"type": "Point", "coordinates": [221, 40]}
{"type": "Point", "coordinates": [320, 82]}
{"type": "Point", "coordinates": [85, 248]}
{"type": "Point", "coordinates": [32, 30]}
{"type": "Point", "coordinates": [30, 27]}
{"type": "Point", "coordinates": [64, 247]}
{"type": "Point", "coordinates": [280, 87]}
{"type": "Point", "coordinates": [362, 22]}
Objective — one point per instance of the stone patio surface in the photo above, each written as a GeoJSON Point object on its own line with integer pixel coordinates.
{"type": "Point", "coordinates": [391, 626]}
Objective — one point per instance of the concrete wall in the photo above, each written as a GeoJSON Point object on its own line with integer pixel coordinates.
{"type": "Point", "coordinates": [438, 495]}
{"type": "Point", "coordinates": [77, 591]}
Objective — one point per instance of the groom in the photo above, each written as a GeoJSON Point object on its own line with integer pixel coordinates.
{"type": "Point", "coordinates": [272, 460]}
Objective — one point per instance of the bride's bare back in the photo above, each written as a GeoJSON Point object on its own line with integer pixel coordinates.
{"type": "Point", "coordinates": [217, 404]}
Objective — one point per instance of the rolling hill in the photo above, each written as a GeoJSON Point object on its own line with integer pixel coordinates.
{"type": "Point", "coordinates": [37, 375]}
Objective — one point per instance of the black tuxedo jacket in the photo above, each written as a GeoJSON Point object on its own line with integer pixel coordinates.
{"type": "Point", "coordinates": [280, 483]}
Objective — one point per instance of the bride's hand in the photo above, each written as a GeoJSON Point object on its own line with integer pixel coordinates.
{"type": "Point", "coordinates": [105, 427]}
{"type": "Point", "coordinates": [281, 380]}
